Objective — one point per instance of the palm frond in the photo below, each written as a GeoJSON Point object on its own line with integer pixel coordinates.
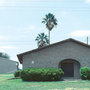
{"type": "Point", "coordinates": [42, 39]}
{"type": "Point", "coordinates": [43, 22]}
{"type": "Point", "coordinates": [50, 21]}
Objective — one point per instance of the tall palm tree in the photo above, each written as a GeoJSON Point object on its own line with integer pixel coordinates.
{"type": "Point", "coordinates": [50, 21]}
{"type": "Point", "coordinates": [42, 40]}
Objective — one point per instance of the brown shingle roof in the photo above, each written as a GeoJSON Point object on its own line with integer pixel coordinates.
{"type": "Point", "coordinates": [20, 56]}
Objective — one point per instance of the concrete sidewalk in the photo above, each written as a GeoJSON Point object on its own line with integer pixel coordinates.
{"type": "Point", "coordinates": [70, 79]}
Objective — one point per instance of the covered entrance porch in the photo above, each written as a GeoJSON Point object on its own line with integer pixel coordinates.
{"type": "Point", "coordinates": [71, 68]}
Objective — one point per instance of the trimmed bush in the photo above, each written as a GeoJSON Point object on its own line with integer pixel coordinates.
{"type": "Point", "coordinates": [17, 73]}
{"type": "Point", "coordinates": [85, 73]}
{"type": "Point", "coordinates": [41, 74]}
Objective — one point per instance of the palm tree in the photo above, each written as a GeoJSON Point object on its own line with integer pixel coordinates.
{"type": "Point", "coordinates": [50, 21]}
{"type": "Point", "coordinates": [42, 40]}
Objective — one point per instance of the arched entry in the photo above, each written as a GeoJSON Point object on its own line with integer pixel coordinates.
{"type": "Point", "coordinates": [71, 68]}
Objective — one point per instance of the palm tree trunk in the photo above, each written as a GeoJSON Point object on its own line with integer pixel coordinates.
{"type": "Point", "coordinates": [49, 36]}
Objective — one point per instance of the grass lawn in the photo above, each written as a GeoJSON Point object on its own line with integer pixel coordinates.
{"type": "Point", "coordinates": [18, 84]}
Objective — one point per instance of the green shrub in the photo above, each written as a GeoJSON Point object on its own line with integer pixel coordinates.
{"type": "Point", "coordinates": [41, 74]}
{"type": "Point", "coordinates": [17, 73]}
{"type": "Point", "coordinates": [85, 73]}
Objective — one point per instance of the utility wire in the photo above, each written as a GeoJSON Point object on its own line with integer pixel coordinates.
{"type": "Point", "coordinates": [46, 1]}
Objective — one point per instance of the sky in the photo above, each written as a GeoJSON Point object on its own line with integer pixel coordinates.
{"type": "Point", "coordinates": [21, 22]}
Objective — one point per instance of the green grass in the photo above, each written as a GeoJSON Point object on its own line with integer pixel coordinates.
{"type": "Point", "coordinates": [18, 84]}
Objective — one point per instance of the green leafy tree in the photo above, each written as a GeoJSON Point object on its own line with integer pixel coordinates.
{"type": "Point", "coordinates": [42, 40]}
{"type": "Point", "coordinates": [50, 21]}
{"type": "Point", "coordinates": [4, 55]}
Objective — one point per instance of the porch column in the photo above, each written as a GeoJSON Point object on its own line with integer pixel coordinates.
{"type": "Point", "coordinates": [76, 70]}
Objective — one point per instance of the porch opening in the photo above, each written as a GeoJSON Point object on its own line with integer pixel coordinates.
{"type": "Point", "coordinates": [70, 67]}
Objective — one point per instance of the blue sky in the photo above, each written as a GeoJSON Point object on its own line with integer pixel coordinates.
{"type": "Point", "coordinates": [20, 22]}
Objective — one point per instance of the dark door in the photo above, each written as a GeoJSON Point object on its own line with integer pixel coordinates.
{"type": "Point", "coordinates": [68, 69]}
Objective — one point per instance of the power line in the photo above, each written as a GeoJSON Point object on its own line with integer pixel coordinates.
{"type": "Point", "coordinates": [43, 7]}
{"type": "Point", "coordinates": [51, 7]}
{"type": "Point", "coordinates": [39, 6]}
{"type": "Point", "coordinates": [43, 1]}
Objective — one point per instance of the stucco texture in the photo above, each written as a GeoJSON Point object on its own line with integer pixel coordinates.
{"type": "Point", "coordinates": [52, 56]}
{"type": "Point", "coordinates": [7, 66]}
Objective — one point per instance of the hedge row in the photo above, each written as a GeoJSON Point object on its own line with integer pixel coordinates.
{"type": "Point", "coordinates": [17, 73]}
{"type": "Point", "coordinates": [48, 74]}
{"type": "Point", "coordinates": [41, 74]}
{"type": "Point", "coordinates": [85, 73]}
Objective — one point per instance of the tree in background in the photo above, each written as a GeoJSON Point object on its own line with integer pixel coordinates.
{"type": "Point", "coordinates": [4, 55]}
{"type": "Point", "coordinates": [50, 21]}
{"type": "Point", "coordinates": [42, 40]}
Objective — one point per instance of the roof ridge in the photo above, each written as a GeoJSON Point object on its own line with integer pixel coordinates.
{"type": "Point", "coordinates": [37, 49]}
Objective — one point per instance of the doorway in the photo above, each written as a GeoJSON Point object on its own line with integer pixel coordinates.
{"type": "Point", "coordinates": [70, 67]}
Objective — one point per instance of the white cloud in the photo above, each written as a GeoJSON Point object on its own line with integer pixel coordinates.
{"type": "Point", "coordinates": [2, 50]}
{"type": "Point", "coordinates": [7, 47]}
{"type": "Point", "coordinates": [80, 33]}
{"type": "Point", "coordinates": [2, 37]}
{"type": "Point", "coordinates": [88, 1]}
{"type": "Point", "coordinates": [2, 2]}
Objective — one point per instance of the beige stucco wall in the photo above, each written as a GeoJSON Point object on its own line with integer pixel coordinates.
{"type": "Point", "coordinates": [7, 66]}
{"type": "Point", "coordinates": [52, 56]}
